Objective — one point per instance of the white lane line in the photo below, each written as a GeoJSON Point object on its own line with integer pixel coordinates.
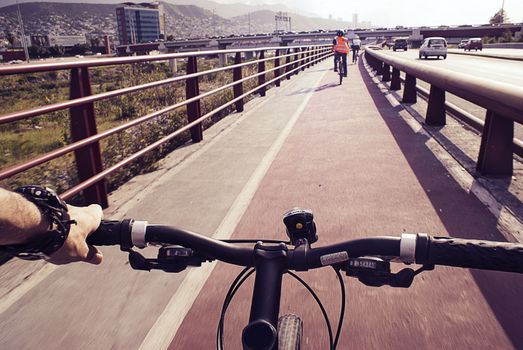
{"type": "Point", "coordinates": [166, 326]}
{"type": "Point", "coordinates": [32, 281]}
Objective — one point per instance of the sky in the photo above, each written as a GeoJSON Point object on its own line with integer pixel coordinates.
{"type": "Point", "coordinates": [391, 13]}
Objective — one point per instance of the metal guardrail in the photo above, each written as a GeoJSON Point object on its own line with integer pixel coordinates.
{"type": "Point", "coordinates": [503, 102]}
{"type": "Point", "coordinates": [85, 138]}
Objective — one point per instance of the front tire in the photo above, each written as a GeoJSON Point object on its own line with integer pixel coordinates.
{"type": "Point", "coordinates": [290, 332]}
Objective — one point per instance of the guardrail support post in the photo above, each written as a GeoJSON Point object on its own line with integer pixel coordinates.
{"type": "Point", "coordinates": [409, 90]}
{"type": "Point", "coordinates": [379, 69]}
{"type": "Point", "coordinates": [192, 89]}
{"type": "Point", "coordinates": [395, 83]}
{"type": "Point", "coordinates": [386, 72]}
{"type": "Point", "coordinates": [436, 115]}
{"type": "Point", "coordinates": [308, 56]}
{"type": "Point", "coordinates": [288, 66]}
{"type": "Point", "coordinates": [83, 124]}
{"type": "Point", "coordinates": [496, 151]}
{"type": "Point", "coordinates": [302, 56]}
{"type": "Point", "coordinates": [296, 57]}
{"type": "Point", "coordinates": [238, 88]}
{"type": "Point", "coordinates": [261, 69]}
{"type": "Point", "coordinates": [277, 70]}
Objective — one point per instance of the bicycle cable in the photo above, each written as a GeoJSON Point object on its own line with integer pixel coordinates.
{"type": "Point", "coordinates": [342, 307]}
{"type": "Point", "coordinates": [318, 301]}
{"type": "Point", "coordinates": [235, 285]}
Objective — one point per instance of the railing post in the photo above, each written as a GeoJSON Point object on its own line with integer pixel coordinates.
{"type": "Point", "coordinates": [277, 70]}
{"type": "Point", "coordinates": [296, 57]}
{"type": "Point", "coordinates": [308, 56]}
{"type": "Point", "coordinates": [436, 115]}
{"type": "Point", "coordinates": [395, 83]}
{"type": "Point", "coordinates": [288, 66]}
{"type": "Point", "coordinates": [261, 69]}
{"type": "Point", "coordinates": [192, 89]}
{"type": "Point", "coordinates": [386, 72]}
{"type": "Point", "coordinates": [302, 58]}
{"type": "Point", "coordinates": [409, 90]}
{"type": "Point", "coordinates": [379, 69]}
{"type": "Point", "coordinates": [238, 88]}
{"type": "Point", "coordinates": [83, 124]}
{"type": "Point", "coordinates": [496, 151]}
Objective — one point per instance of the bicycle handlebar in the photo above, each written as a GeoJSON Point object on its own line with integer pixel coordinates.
{"type": "Point", "coordinates": [410, 248]}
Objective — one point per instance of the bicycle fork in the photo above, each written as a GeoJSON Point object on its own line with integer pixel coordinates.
{"type": "Point", "coordinates": [270, 264]}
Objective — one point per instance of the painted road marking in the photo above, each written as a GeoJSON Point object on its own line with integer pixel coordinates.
{"type": "Point", "coordinates": [166, 326]}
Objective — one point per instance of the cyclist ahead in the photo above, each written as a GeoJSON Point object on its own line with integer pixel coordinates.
{"type": "Point", "coordinates": [340, 47]}
{"type": "Point", "coordinates": [355, 47]}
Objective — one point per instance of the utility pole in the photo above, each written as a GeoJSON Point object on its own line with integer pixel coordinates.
{"type": "Point", "coordinates": [22, 32]}
{"type": "Point", "coordinates": [249, 17]}
{"type": "Point", "coordinates": [214, 22]}
{"type": "Point", "coordinates": [503, 12]}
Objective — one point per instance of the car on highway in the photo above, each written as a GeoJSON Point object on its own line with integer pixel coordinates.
{"type": "Point", "coordinates": [433, 46]}
{"type": "Point", "coordinates": [462, 43]}
{"type": "Point", "coordinates": [400, 44]}
{"type": "Point", "coordinates": [474, 44]}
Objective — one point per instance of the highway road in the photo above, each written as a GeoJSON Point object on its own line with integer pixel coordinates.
{"type": "Point", "coordinates": [500, 70]}
{"type": "Point", "coordinates": [362, 170]}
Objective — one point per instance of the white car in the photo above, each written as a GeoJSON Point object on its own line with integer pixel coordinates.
{"type": "Point", "coordinates": [433, 46]}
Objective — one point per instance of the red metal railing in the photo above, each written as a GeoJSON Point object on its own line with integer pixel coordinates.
{"type": "Point", "coordinates": [84, 134]}
{"type": "Point", "coordinates": [503, 102]}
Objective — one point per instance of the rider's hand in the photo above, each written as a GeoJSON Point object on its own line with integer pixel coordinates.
{"type": "Point", "coordinates": [75, 248]}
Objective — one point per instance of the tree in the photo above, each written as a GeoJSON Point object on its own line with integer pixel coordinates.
{"type": "Point", "coordinates": [10, 37]}
{"type": "Point", "coordinates": [499, 17]}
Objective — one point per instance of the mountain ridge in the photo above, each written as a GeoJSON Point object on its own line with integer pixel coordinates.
{"type": "Point", "coordinates": [182, 21]}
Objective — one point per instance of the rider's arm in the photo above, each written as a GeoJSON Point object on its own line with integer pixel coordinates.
{"type": "Point", "coordinates": [21, 222]}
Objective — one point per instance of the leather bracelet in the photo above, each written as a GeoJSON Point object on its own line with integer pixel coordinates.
{"type": "Point", "coordinates": [54, 209]}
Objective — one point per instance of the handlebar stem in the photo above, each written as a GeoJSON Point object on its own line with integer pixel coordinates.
{"type": "Point", "coordinates": [270, 264]}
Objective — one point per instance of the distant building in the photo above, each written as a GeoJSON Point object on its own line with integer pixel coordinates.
{"type": "Point", "coordinates": [140, 23]}
{"type": "Point", "coordinates": [354, 20]}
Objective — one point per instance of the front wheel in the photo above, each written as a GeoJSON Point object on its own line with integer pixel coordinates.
{"type": "Point", "coordinates": [290, 331]}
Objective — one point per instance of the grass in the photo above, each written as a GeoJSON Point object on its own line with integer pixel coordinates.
{"type": "Point", "coordinates": [24, 140]}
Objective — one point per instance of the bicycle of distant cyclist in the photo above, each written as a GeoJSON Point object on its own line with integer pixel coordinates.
{"type": "Point", "coordinates": [341, 67]}
{"type": "Point", "coordinates": [355, 51]}
{"type": "Point", "coordinates": [367, 259]}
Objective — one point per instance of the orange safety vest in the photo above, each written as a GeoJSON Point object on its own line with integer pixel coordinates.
{"type": "Point", "coordinates": [341, 45]}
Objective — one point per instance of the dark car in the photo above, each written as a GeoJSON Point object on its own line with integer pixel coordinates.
{"type": "Point", "coordinates": [474, 44]}
{"type": "Point", "coordinates": [400, 44]}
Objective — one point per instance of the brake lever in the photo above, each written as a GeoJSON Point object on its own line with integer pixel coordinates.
{"type": "Point", "coordinates": [375, 272]}
{"type": "Point", "coordinates": [402, 279]}
{"type": "Point", "coordinates": [170, 259]}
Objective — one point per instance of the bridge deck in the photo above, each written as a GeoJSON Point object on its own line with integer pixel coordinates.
{"type": "Point", "coordinates": [343, 151]}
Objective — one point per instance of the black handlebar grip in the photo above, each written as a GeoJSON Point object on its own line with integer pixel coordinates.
{"type": "Point", "coordinates": [111, 233]}
{"type": "Point", "coordinates": [476, 254]}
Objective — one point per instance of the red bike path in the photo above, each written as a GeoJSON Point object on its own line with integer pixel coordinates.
{"type": "Point", "coordinates": [352, 159]}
